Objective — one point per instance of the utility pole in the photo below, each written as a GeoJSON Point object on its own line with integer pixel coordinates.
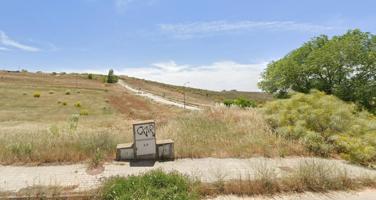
{"type": "Point", "coordinates": [184, 92]}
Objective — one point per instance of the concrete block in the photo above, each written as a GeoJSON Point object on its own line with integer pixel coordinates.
{"type": "Point", "coordinates": [124, 151]}
{"type": "Point", "coordinates": [165, 149]}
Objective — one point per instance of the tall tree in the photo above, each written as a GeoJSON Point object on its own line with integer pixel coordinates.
{"type": "Point", "coordinates": [344, 66]}
{"type": "Point", "coordinates": [111, 77]}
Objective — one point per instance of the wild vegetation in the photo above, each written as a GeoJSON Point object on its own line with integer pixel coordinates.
{"type": "Point", "coordinates": [226, 132]}
{"type": "Point", "coordinates": [344, 66]}
{"type": "Point", "coordinates": [151, 185]}
{"type": "Point", "coordinates": [325, 125]}
{"type": "Point", "coordinates": [111, 77]}
{"type": "Point", "coordinates": [309, 176]}
{"type": "Point", "coordinates": [241, 102]}
{"type": "Point", "coordinates": [55, 128]}
{"type": "Point", "coordinates": [194, 96]}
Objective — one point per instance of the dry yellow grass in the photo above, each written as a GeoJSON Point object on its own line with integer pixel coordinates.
{"type": "Point", "coordinates": [310, 176]}
{"type": "Point", "coordinates": [50, 128]}
{"type": "Point", "coordinates": [40, 130]}
{"type": "Point", "coordinates": [226, 132]}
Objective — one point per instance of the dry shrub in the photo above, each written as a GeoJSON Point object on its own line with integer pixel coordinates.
{"type": "Point", "coordinates": [311, 176]}
{"type": "Point", "coordinates": [58, 146]}
{"type": "Point", "coordinates": [226, 132]}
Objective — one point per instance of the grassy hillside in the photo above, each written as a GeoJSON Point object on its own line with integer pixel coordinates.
{"type": "Point", "coordinates": [49, 118]}
{"type": "Point", "coordinates": [67, 113]}
{"type": "Point", "coordinates": [193, 95]}
{"type": "Point", "coordinates": [54, 118]}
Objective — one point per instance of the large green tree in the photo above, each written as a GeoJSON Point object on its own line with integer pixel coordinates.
{"type": "Point", "coordinates": [344, 66]}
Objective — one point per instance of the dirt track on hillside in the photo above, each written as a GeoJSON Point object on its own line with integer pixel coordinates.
{"type": "Point", "coordinates": [156, 98]}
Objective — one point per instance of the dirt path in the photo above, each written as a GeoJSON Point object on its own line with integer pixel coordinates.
{"type": "Point", "coordinates": [369, 194]}
{"type": "Point", "coordinates": [156, 98]}
{"type": "Point", "coordinates": [14, 178]}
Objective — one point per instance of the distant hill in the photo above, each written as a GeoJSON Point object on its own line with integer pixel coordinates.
{"type": "Point", "coordinates": [194, 96]}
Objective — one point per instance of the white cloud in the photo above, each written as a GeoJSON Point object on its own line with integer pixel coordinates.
{"type": "Point", "coordinates": [188, 30]}
{"type": "Point", "coordinates": [8, 42]}
{"type": "Point", "coordinates": [224, 75]}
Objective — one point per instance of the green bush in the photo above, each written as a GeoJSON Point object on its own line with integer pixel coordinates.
{"type": "Point", "coordinates": [151, 185]}
{"type": "Point", "coordinates": [77, 104]}
{"type": "Point", "coordinates": [67, 92]}
{"type": "Point", "coordinates": [325, 125]}
{"type": "Point", "coordinates": [241, 102]}
{"type": "Point", "coordinates": [84, 112]}
{"type": "Point", "coordinates": [64, 103]}
{"type": "Point", "coordinates": [111, 77]}
{"type": "Point", "coordinates": [36, 94]}
{"type": "Point", "coordinates": [90, 76]}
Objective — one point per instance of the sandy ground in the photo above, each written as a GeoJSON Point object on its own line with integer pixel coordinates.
{"type": "Point", "coordinates": [155, 97]}
{"type": "Point", "coordinates": [14, 178]}
{"type": "Point", "coordinates": [369, 194]}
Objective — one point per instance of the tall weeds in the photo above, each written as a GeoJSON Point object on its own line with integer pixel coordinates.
{"type": "Point", "coordinates": [226, 132]}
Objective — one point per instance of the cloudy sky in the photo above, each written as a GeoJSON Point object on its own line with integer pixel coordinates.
{"type": "Point", "coordinates": [213, 44]}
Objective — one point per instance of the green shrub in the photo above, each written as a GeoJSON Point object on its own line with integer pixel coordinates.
{"type": "Point", "coordinates": [51, 92]}
{"type": "Point", "coordinates": [240, 102]}
{"type": "Point", "coordinates": [228, 102]}
{"type": "Point", "coordinates": [325, 125]}
{"type": "Point", "coordinates": [77, 104]}
{"type": "Point", "coordinates": [96, 159]}
{"type": "Point", "coordinates": [90, 76]}
{"type": "Point", "coordinates": [84, 112]}
{"type": "Point", "coordinates": [111, 77]}
{"type": "Point", "coordinates": [67, 92]}
{"type": "Point", "coordinates": [36, 94]}
{"type": "Point", "coordinates": [64, 103]}
{"type": "Point", "coordinates": [151, 185]}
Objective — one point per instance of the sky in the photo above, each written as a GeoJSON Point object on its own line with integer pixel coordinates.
{"type": "Point", "coordinates": [212, 44]}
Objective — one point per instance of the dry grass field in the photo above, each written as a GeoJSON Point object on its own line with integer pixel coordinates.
{"type": "Point", "coordinates": [48, 118]}
{"type": "Point", "coordinates": [227, 132]}
{"type": "Point", "coordinates": [58, 118]}
{"type": "Point", "coordinates": [193, 95]}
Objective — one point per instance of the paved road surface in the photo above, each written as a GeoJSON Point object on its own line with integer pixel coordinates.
{"type": "Point", "coordinates": [14, 178]}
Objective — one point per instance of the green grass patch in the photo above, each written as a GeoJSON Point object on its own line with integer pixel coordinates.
{"type": "Point", "coordinates": [151, 185]}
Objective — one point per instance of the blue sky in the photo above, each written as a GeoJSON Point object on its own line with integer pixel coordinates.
{"type": "Point", "coordinates": [213, 44]}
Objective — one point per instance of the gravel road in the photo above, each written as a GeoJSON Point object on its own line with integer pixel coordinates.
{"type": "Point", "coordinates": [156, 98]}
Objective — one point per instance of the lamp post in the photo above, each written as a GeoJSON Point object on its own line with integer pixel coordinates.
{"type": "Point", "coordinates": [184, 92]}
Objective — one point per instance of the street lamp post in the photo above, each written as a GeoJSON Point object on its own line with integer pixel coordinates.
{"type": "Point", "coordinates": [184, 92]}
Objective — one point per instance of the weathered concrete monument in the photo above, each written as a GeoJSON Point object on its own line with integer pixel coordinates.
{"type": "Point", "coordinates": [145, 146]}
